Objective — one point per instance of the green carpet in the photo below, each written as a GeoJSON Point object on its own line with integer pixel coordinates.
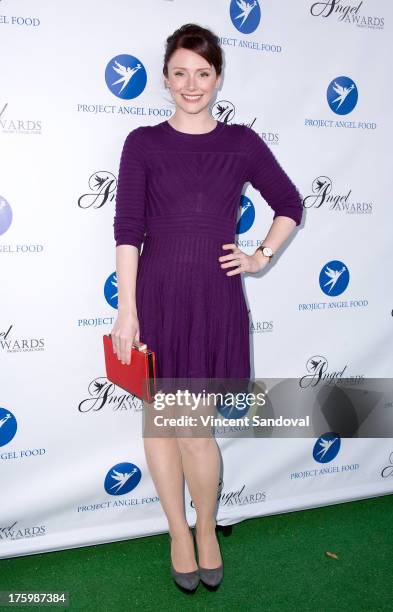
{"type": "Point", "coordinates": [270, 563]}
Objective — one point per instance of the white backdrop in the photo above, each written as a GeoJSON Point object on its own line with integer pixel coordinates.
{"type": "Point", "coordinates": [312, 79]}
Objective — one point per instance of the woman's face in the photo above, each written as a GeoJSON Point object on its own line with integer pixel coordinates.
{"type": "Point", "coordinates": [191, 80]}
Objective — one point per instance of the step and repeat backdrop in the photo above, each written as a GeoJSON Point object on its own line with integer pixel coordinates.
{"type": "Point", "coordinates": [312, 79]}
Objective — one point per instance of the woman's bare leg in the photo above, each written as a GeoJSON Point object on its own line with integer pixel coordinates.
{"type": "Point", "coordinates": [201, 460]}
{"type": "Point", "coordinates": [201, 465]}
{"type": "Point", "coordinates": [164, 462]}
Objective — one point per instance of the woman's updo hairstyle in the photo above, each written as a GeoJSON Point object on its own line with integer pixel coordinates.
{"type": "Point", "coordinates": [200, 40]}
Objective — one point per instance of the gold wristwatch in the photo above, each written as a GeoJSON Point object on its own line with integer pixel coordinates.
{"type": "Point", "coordinates": [267, 251]}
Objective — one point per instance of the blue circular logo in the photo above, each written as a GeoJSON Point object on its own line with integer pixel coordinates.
{"type": "Point", "coordinates": [247, 215]}
{"type": "Point", "coordinates": [334, 277]}
{"type": "Point", "coordinates": [8, 426]}
{"type": "Point", "coordinates": [110, 290]}
{"type": "Point", "coordinates": [5, 215]}
{"type": "Point", "coordinates": [125, 76]}
{"type": "Point", "coordinates": [237, 409]}
{"type": "Point", "coordinates": [122, 478]}
{"type": "Point", "coordinates": [245, 16]}
{"type": "Point", "coordinates": [342, 95]}
{"type": "Point", "coordinates": [326, 448]}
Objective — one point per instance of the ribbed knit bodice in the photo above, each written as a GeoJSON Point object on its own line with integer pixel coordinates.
{"type": "Point", "coordinates": [172, 181]}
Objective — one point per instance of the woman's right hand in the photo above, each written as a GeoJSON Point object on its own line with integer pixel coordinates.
{"type": "Point", "coordinates": [123, 334]}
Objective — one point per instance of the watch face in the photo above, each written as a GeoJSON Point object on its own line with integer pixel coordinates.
{"type": "Point", "coordinates": [267, 251]}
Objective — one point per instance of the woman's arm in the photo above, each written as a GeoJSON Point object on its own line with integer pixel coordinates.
{"type": "Point", "coordinates": [266, 174]}
{"type": "Point", "coordinates": [280, 230]}
{"type": "Point", "coordinates": [127, 257]}
{"type": "Point", "coordinates": [126, 327]}
{"type": "Point", "coordinates": [129, 228]}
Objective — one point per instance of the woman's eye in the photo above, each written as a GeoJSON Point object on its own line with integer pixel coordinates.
{"type": "Point", "coordinates": [202, 74]}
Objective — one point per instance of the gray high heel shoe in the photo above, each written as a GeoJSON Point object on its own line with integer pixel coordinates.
{"type": "Point", "coordinates": [185, 580]}
{"type": "Point", "coordinates": [211, 577]}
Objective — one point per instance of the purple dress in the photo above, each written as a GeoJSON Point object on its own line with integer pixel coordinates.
{"type": "Point", "coordinates": [179, 195]}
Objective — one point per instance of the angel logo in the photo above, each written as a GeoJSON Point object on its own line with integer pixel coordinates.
{"type": "Point", "coordinates": [122, 478]}
{"type": "Point", "coordinates": [110, 290]}
{"type": "Point", "coordinates": [125, 76]}
{"type": "Point", "coordinates": [334, 277]}
{"type": "Point", "coordinates": [5, 215]}
{"type": "Point", "coordinates": [245, 15]}
{"type": "Point", "coordinates": [342, 95]}
{"type": "Point", "coordinates": [326, 448]}
{"type": "Point", "coordinates": [224, 111]}
{"type": "Point", "coordinates": [321, 187]}
{"type": "Point", "coordinates": [322, 194]}
{"type": "Point", "coordinates": [316, 366]}
{"type": "Point", "coordinates": [8, 426]}
{"type": "Point", "coordinates": [102, 187]}
{"type": "Point", "coordinates": [247, 215]}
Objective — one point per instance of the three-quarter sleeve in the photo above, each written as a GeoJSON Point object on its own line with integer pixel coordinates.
{"type": "Point", "coordinates": [266, 174]}
{"type": "Point", "coordinates": [129, 219]}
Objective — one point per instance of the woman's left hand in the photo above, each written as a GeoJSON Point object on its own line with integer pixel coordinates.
{"type": "Point", "coordinates": [244, 263]}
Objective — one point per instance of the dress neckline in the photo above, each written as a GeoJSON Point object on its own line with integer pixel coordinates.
{"type": "Point", "coordinates": [204, 135]}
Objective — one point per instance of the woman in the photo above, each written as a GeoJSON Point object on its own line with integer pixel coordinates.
{"type": "Point", "coordinates": [180, 181]}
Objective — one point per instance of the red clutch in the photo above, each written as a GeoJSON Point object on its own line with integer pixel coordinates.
{"type": "Point", "coordinates": [139, 376]}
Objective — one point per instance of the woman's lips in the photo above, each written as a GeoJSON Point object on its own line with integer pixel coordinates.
{"type": "Point", "coordinates": [191, 98]}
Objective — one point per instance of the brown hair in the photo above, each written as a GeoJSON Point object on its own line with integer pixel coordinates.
{"type": "Point", "coordinates": [198, 39]}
